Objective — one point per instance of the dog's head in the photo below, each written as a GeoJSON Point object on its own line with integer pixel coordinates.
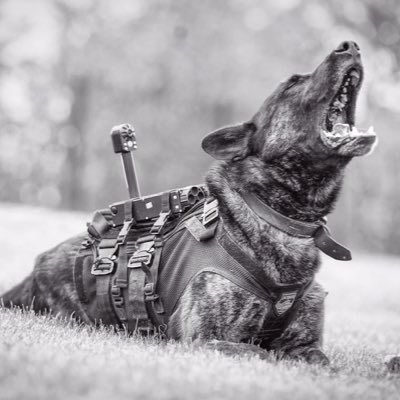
{"type": "Point", "coordinates": [311, 113]}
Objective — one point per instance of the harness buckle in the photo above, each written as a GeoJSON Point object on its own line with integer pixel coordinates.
{"type": "Point", "coordinates": [139, 257]}
{"type": "Point", "coordinates": [103, 266]}
{"type": "Point", "coordinates": [210, 212]}
{"type": "Point", "coordinates": [149, 293]}
{"type": "Point", "coordinates": [118, 301]}
{"type": "Point", "coordinates": [149, 289]}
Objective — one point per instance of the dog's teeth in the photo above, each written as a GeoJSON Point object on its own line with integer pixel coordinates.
{"type": "Point", "coordinates": [338, 104]}
{"type": "Point", "coordinates": [355, 77]}
{"type": "Point", "coordinates": [354, 131]}
{"type": "Point", "coordinates": [343, 133]}
{"type": "Point", "coordinates": [370, 131]}
{"type": "Point", "coordinates": [328, 134]}
{"type": "Point", "coordinates": [344, 90]}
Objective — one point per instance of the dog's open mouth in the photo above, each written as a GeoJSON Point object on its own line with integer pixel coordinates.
{"type": "Point", "coordinates": [339, 121]}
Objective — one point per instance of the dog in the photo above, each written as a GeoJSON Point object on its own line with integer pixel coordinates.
{"type": "Point", "coordinates": [292, 155]}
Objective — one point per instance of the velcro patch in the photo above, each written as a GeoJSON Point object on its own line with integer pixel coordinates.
{"type": "Point", "coordinates": [285, 302]}
{"type": "Point", "coordinates": [195, 227]}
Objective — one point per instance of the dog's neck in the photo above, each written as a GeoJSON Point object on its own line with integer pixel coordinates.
{"type": "Point", "coordinates": [292, 186]}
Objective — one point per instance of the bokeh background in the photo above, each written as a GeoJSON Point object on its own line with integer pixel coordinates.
{"type": "Point", "coordinates": [71, 69]}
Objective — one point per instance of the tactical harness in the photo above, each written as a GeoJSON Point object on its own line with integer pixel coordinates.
{"type": "Point", "coordinates": [131, 272]}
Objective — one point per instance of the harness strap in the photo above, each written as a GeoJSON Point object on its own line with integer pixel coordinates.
{"type": "Point", "coordinates": [103, 289]}
{"type": "Point", "coordinates": [235, 251]}
{"type": "Point", "coordinates": [145, 306]}
{"type": "Point", "coordinates": [102, 267]}
{"type": "Point", "coordinates": [110, 300]}
{"type": "Point", "coordinates": [81, 270]}
{"type": "Point", "coordinates": [138, 319]}
{"type": "Point", "coordinates": [152, 280]}
{"type": "Point", "coordinates": [81, 262]}
{"type": "Point", "coordinates": [99, 224]}
{"type": "Point", "coordinates": [120, 281]}
{"type": "Point", "coordinates": [105, 309]}
{"type": "Point", "coordinates": [118, 284]}
{"type": "Point", "coordinates": [136, 311]}
{"type": "Point", "coordinates": [152, 299]}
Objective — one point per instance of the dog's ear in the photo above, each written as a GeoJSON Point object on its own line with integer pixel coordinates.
{"type": "Point", "coordinates": [229, 142]}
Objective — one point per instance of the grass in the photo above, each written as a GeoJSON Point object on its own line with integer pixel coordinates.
{"type": "Point", "coordinates": [47, 358]}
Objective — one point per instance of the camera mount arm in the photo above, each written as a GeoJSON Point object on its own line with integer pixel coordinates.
{"type": "Point", "coordinates": [124, 142]}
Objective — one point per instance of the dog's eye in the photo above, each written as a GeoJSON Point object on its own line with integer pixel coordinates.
{"type": "Point", "coordinates": [292, 81]}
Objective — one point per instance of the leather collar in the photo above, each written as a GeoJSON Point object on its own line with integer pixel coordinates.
{"type": "Point", "coordinates": [318, 231]}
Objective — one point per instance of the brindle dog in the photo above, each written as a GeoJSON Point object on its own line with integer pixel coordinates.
{"type": "Point", "coordinates": [292, 154]}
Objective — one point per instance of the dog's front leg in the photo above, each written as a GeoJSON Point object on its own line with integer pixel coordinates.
{"type": "Point", "coordinates": [302, 339]}
{"type": "Point", "coordinates": [216, 314]}
{"type": "Point", "coordinates": [234, 349]}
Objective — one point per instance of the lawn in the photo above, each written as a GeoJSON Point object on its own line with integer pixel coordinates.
{"type": "Point", "coordinates": [46, 358]}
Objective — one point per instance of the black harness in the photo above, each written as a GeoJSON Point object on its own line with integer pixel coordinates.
{"type": "Point", "coordinates": [132, 276]}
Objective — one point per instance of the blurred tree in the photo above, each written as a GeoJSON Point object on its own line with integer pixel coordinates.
{"type": "Point", "coordinates": [71, 69]}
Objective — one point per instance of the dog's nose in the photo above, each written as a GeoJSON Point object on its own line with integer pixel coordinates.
{"type": "Point", "coordinates": [348, 47]}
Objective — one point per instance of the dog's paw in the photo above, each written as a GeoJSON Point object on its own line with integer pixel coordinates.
{"type": "Point", "coordinates": [312, 355]}
{"type": "Point", "coordinates": [236, 349]}
{"type": "Point", "coordinates": [316, 356]}
{"type": "Point", "coordinates": [393, 363]}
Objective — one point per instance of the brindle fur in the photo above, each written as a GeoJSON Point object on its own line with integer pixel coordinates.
{"type": "Point", "coordinates": [278, 155]}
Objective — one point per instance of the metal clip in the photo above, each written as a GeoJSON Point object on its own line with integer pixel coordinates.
{"type": "Point", "coordinates": [103, 266]}
{"type": "Point", "coordinates": [149, 289]}
{"type": "Point", "coordinates": [116, 293]}
{"type": "Point", "coordinates": [149, 292]}
{"type": "Point", "coordinates": [139, 257]}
